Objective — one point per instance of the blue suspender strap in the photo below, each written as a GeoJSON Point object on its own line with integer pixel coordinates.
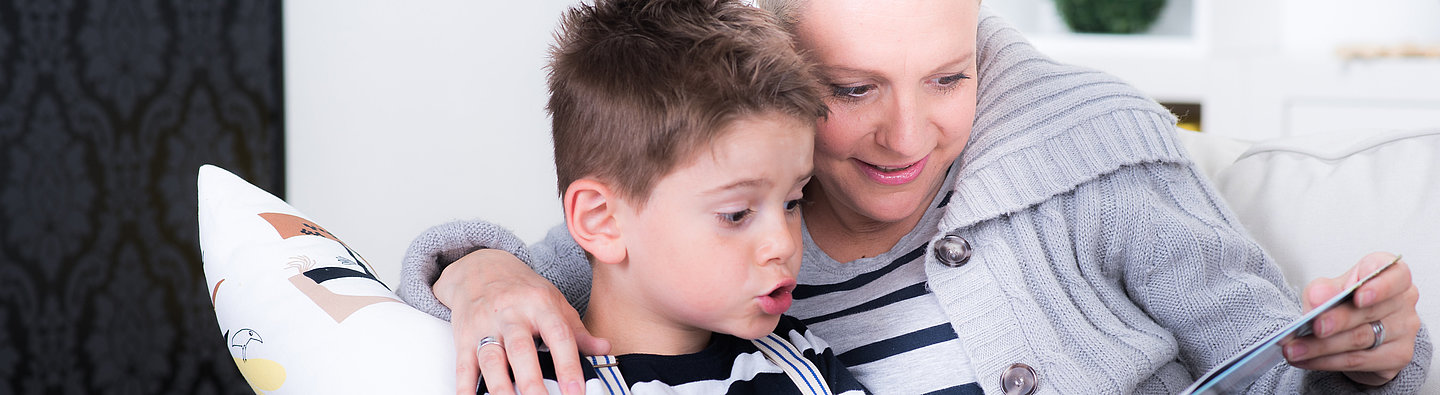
{"type": "Point", "coordinates": [608, 368]}
{"type": "Point", "coordinates": [783, 354]}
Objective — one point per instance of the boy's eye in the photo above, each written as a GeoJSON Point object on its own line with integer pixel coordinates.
{"type": "Point", "coordinates": [736, 217]}
{"type": "Point", "coordinates": [851, 92]}
{"type": "Point", "coordinates": [792, 205]}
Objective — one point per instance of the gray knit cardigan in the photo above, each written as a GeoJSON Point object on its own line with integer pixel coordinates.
{"type": "Point", "coordinates": [1102, 256]}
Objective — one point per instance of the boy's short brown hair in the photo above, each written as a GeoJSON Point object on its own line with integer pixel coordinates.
{"type": "Point", "coordinates": [636, 86]}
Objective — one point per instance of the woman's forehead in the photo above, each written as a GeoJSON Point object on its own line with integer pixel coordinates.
{"type": "Point", "coordinates": [912, 34]}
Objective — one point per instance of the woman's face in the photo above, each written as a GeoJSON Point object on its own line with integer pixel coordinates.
{"type": "Point", "coordinates": [901, 80]}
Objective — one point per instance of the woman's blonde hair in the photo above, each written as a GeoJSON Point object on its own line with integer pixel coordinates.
{"type": "Point", "coordinates": [787, 11]}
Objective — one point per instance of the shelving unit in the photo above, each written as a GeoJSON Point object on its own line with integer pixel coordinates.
{"type": "Point", "coordinates": [1263, 69]}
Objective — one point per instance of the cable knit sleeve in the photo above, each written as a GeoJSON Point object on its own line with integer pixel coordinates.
{"type": "Point", "coordinates": [557, 258]}
{"type": "Point", "coordinates": [1189, 264]}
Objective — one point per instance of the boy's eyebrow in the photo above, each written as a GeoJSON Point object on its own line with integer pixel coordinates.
{"type": "Point", "coordinates": [805, 177]}
{"type": "Point", "coordinates": [755, 182]}
{"type": "Point", "coordinates": [746, 183]}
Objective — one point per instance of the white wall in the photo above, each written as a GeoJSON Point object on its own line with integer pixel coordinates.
{"type": "Point", "coordinates": [1314, 27]}
{"type": "Point", "coordinates": [402, 115]}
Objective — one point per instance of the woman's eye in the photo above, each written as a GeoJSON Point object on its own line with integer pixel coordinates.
{"type": "Point", "coordinates": [736, 217]}
{"type": "Point", "coordinates": [851, 91]}
{"type": "Point", "coordinates": [950, 80]}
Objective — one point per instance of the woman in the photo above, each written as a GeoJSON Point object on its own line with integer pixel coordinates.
{"type": "Point", "coordinates": [1067, 244]}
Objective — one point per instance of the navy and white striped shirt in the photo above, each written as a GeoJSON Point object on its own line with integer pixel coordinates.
{"type": "Point", "coordinates": [728, 365]}
{"type": "Point", "coordinates": [881, 318]}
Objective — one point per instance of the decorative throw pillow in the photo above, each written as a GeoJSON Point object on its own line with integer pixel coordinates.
{"type": "Point", "coordinates": [303, 313]}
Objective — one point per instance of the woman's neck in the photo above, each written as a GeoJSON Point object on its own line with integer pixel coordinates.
{"type": "Point", "coordinates": [631, 327]}
{"type": "Point", "coordinates": [846, 235]}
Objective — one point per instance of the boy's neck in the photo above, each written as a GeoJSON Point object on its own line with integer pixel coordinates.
{"type": "Point", "coordinates": [630, 326]}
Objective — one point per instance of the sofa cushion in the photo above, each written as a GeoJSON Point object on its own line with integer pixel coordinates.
{"type": "Point", "coordinates": [1318, 203]}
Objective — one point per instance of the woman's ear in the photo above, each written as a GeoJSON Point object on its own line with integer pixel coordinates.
{"type": "Point", "coordinates": [590, 215]}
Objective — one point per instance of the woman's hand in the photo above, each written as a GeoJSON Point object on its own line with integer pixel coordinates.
{"type": "Point", "coordinates": [1344, 336]}
{"type": "Point", "coordinates": [492, 293]}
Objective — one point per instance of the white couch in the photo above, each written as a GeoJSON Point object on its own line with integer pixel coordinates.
{"type": "Point", "coordinates": [1318, 203]}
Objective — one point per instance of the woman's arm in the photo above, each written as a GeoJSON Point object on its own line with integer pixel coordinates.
{"type": "Point", "coordinates": [481, 283]}
{"type": "Point", "coordinates": [1189, 263]}
{"type": "Point", "coordinates": [556, 258]}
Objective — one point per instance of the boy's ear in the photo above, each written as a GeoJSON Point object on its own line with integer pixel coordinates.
{"type": "Point", "coordinates": [590, 215]}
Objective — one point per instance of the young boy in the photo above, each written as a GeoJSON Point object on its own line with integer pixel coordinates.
{"type": "Point", "coordinates": [683, 134]}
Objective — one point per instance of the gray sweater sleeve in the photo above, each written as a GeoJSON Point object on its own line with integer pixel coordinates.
{"type": "Point", "coordinates": [1207, 280]}
{"type": "Point", "coordinates": [557, 258]}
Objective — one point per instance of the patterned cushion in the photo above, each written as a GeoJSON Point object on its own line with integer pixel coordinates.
{"type": "Point", "coordinates": [302, 312]}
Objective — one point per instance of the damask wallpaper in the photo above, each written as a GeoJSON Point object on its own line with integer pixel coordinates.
{"type": "Point", "coordinates": [107, 109]}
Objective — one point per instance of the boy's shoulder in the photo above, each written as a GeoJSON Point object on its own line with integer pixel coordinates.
{"type": "Point", "coordinates": [788, 323]}
{"type": "Point", "coordinates": [818, 351]}
{"type": "Point", "coordinates": [714, 370]}
{"type": "Point", "coordinates": [794, 331]}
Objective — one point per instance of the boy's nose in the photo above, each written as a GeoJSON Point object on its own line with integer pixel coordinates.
{"type": "Point", "coordinates": [779, 241]}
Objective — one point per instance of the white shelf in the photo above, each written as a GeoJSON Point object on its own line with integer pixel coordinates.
{"type": "Point", "coordinates": [1242, 63]}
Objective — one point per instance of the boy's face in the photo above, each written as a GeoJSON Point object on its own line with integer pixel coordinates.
{"type": "Point", "coordinates": [717, 245]}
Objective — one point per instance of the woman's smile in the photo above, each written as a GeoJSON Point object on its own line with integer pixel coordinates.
{"type": "Point", "coordinates": [893, 175]}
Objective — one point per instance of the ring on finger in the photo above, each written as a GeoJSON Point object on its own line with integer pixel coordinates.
{"type": "Point", "coordinates": [1379, 329]}
{"type": "Point", "coordinates": [487, 341]}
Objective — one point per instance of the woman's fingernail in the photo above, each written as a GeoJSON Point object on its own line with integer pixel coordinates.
{"type": "Point", "coordinates": [574, 387]}
{"type": "Point", "coordinates": [1365, 298]}
{"type": "Point", "coordinates": [1295, 351]}
{"type": "Point", "coordinates": [1322, 328]}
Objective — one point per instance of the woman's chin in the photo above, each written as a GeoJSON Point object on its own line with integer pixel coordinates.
{"type": "Point", "coordinates": [894, 208]}
{"type": "Point", "coordinates": [900, 204]}
{"type": "Point", "coordinates": [883, 204]}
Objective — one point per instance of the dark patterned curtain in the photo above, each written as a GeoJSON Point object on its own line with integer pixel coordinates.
{"type": "Point", "coordinates": [106, 110]}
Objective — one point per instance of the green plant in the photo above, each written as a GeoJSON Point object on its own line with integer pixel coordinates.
{"type": "Point", "coordinates": [1109, 16]}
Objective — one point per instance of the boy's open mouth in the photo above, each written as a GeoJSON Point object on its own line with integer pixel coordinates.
{"type": "Point", "coordinates": [778, 300]}
{"type": "Point", "coordinates": [782, 290]}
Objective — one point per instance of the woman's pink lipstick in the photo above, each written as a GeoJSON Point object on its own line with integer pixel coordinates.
{"type": "Point", "coordinates": [893, 175]}
{"type": "Point", "coordinates": [777, 301]}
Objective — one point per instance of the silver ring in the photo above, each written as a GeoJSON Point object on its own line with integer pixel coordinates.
{"type": "Point", "coordinates": [487, 341]}
{"type": "Point", "coordinates": [1379, 329]}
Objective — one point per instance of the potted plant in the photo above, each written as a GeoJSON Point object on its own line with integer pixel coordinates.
{"type": "Point", "coordinates": [1109, 16]}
